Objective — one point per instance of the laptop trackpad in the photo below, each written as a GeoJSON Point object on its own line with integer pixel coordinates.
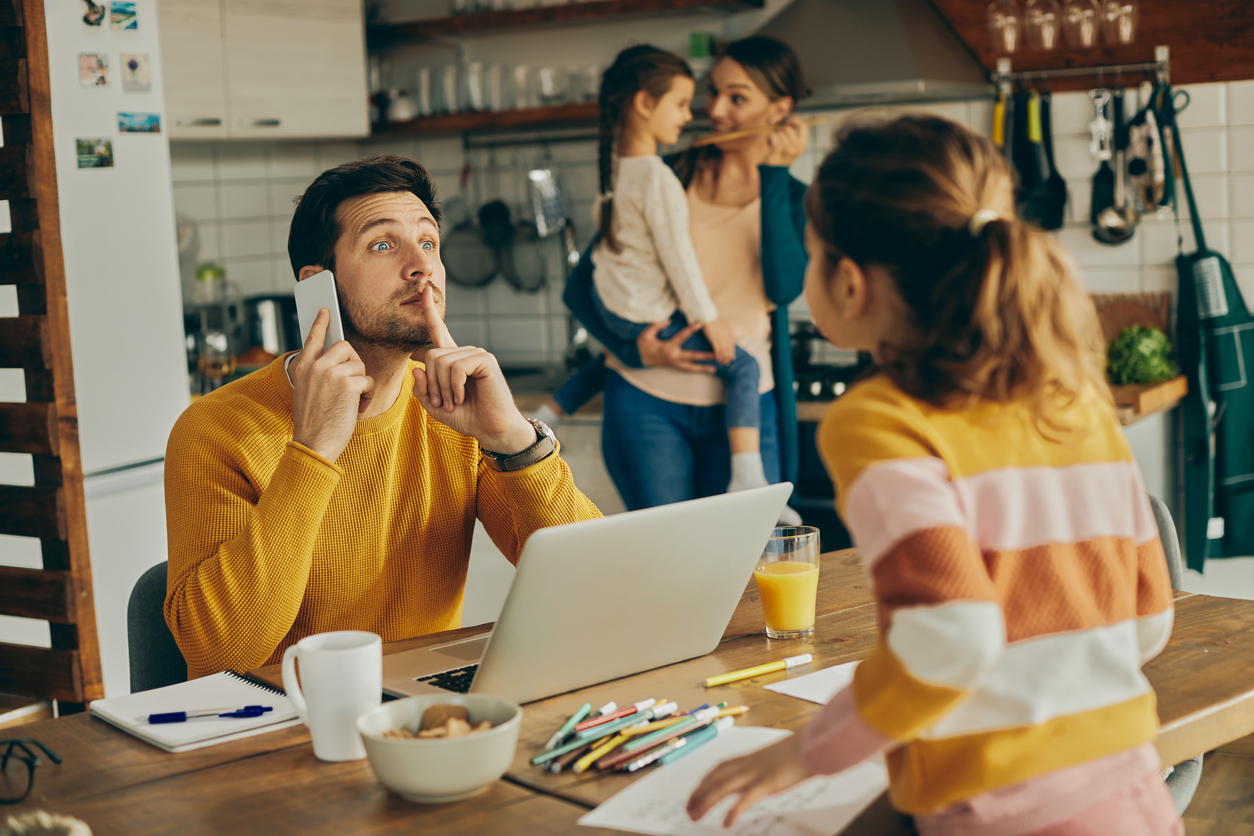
{"type": "Point", "coordinates": [470, 650]}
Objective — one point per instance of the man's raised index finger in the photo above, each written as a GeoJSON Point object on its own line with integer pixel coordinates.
{"type": "Point", "coordinates": [438, 333]}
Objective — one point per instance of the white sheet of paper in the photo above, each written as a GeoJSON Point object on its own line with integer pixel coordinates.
{"type": "Point", "coordinates": [820, 806]}
{"type": "Point", "coordinates": [819, 686]}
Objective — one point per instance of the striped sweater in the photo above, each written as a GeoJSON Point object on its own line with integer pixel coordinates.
{"type": "Point", "coordinates": [1020, 584]}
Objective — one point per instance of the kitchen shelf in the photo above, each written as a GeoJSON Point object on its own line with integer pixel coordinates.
{"type": "Point", "coordinates": [584, 113]}
{"type": "Point", "coordinates": [379, 35]}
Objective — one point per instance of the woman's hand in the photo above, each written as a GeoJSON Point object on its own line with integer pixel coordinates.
{"type": "Point", "coordinates": [787, 142]}
{"type": "Point", "coordinates": [655, 352]}
{"type": "Point", "coordinates": [753, 777]}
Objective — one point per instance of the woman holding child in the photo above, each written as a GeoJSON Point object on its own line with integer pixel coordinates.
{"type": "Point", "coordinates": [682, 310]}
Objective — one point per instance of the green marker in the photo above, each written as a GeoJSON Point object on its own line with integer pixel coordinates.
{"type": "Point", "coordinates": [568, 726]}
{"type": "Point", "coordinates": [544, 757]}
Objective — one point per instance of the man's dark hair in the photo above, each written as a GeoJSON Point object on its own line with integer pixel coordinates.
{"type": "Point", "coordinates": [314, 230]}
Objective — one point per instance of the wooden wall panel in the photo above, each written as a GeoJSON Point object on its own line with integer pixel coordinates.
{"type": "Point", "coordinates": [1210, 40]}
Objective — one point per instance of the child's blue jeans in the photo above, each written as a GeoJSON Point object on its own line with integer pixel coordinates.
{"type": "Point", "coordinates": [741, 376]}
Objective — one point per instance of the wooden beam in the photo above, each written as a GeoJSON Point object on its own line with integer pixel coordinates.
{"type": "Point", "coordinates": [1211, 41]}
{"type": "Point", "coordinates": [29, 428]}
{"type": "Point", "coordinates": [37, 593]}
{"type": "Point", "coordinates": [49, 672]}
{"type": "Point", "coordinates": [24, 342]}
{"type": "Point", "coordinates": [32, 512]}
{"type": "Point", "coordinates": [14, 87]}
{"type": "Point", "coordinates": [15, 167]}
{"type": "Point", "coordinates": [44, 188]}
{"type": "Point", "coordinates": [21, 258]}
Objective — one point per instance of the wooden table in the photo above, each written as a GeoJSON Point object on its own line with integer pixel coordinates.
{"type": "Point", "coordinates": [272, 784]}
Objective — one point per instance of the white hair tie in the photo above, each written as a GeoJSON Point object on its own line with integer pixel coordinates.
{"type": "Point", "coordinates": [980, 220]}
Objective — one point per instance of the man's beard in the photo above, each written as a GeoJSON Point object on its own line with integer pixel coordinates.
{"type": "Point", "coordinates": [384, 327]}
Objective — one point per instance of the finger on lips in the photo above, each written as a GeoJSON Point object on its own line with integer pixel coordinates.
{"type": "Point", "coordinates": [436, 330]}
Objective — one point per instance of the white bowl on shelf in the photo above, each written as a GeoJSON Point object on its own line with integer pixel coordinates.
{"type": "Point", "coordinates": [439, 770]}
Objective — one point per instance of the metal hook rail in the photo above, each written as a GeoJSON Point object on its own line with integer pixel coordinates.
{"type": "Point", "coordinates": [1160, 67]}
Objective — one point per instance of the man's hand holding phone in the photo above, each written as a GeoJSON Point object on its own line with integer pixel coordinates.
{"type": "Point", "coordinates": [463, 388]}
{"type": "Point", "coordinates": [330, 389]}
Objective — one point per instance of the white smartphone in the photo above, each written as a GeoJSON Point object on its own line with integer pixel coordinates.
{"type": "Point", "coordinates": [312, 295]}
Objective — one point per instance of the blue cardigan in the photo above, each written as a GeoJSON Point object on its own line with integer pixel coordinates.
{"type": "Point", "coordinates": [783, 273]}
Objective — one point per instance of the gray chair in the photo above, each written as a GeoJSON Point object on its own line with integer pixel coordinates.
{"type": "Point", "coordinates": [1183, 780]}
{"type": "Point", "coordinates": [156, 660]}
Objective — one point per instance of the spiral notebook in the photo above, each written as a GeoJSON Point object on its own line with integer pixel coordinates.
{"type": "Point", "coordinates": [227, 690]}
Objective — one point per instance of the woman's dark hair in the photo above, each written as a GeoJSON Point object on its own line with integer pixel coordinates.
{"type": "Point", "coordinates": [315, 228]}
{"type": "Point", "coordinates": [636, 68]}
{"type": "Point", "coordinates": [776, 70]}
{"type": "Point", "coordinates": [998, 312]}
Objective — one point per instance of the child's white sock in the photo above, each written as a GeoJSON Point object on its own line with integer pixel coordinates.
{"type": "Point", "coordinates": [546, 414]}
{"type": "Point", "coordinates": [747, 472]}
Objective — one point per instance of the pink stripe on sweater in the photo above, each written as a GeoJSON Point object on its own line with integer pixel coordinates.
{"type": "Point", "coordinates": [837, 738]}
{"type": "Point", "coordinates": [1009, 509]}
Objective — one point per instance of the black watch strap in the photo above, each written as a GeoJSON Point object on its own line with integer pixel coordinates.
{"type": "Point", "coordinates": [545, 444]}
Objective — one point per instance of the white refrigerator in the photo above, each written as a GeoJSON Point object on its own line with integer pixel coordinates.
{"type": "Point", "coordinates": [122, 277]}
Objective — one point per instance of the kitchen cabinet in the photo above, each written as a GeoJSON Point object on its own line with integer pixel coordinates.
{"type": "Point", "coordinates": [264, 69]}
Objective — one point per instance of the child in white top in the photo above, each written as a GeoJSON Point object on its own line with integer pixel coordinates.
{"type": "Point", "coordinates": [646, 270]}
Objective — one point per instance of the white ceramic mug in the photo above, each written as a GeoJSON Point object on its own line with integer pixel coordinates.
{"type": "Point", "coordinates": [342, 674]}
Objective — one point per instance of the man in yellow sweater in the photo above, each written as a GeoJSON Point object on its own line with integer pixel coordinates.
{"type": "Point", "coordinates": [338, 490]}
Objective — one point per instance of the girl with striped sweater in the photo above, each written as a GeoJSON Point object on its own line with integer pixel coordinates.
{"type": "Point", "coordinates": [1020, 580]}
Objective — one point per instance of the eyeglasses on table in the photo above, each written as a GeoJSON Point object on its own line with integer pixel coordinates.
{"type": "Point", "coordinates": [17, 767]}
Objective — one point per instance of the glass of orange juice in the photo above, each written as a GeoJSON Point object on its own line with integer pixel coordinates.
{"type": "Point", "coordinates": [788, 581]}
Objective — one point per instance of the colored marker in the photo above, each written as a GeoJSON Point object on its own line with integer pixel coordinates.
{"type": "Point", "coordinates": [558, 764]}
{"type": "Point", "coordinates": [630, 720]}
{"type": "Point", "coordinates": [568, 726]}
{"type": "Point", "coordinates": [654, 726]}
{"type": "Point", "coordinates": [614, 715]}
{"type": "Point", "coordinates": [759, 670]}
{"type": "Point", "coordinates": [587, 760]}
{"type": "Point", "coordinates": [692, 741]}
{"type": "Point", "coordinates": [735, 711]}
{"type": "Point", "coordinates": [545, 757]}
{"type": "Point", "coordinates": [607, 708]}
{"type": "Point", "coordinates": [699, 718]}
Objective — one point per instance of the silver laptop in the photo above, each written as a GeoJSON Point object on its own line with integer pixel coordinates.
{"type": "Point", "coordinates": [597, 600]}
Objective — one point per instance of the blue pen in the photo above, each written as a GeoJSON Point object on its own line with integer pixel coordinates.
{"type": "Point", "coordinates": [184, 716]}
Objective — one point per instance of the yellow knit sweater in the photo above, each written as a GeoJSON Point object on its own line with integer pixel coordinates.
{"type": "Point", "coordinates": [270, 542]}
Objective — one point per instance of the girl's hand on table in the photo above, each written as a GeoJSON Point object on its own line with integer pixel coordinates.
{"type": "Point", "coordinates": [655, 352]}
{"type": "Point", "coordinates": [753, 777]}
{"type": "Point", "coordinates": [787, 142]}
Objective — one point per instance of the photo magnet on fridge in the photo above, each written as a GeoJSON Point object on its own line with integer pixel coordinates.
{"type": "Point", "coordinates": [135, 72]}
{"type": "Point", "coordinates": [122, 15]}
{"type": "Point", "coordinates": [139, 123]}
{"type": "Point", "coordinates": [93, 69]}
{"type": "Point", "coordinates": [95, 14]}
{"type": "Point", "coordinates": [94, 153]}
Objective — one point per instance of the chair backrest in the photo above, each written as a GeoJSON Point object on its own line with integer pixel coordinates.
{"type": "Point", "coordinates": [1171, 542]}
{"type": "Point", "coordinates": [156, 660]}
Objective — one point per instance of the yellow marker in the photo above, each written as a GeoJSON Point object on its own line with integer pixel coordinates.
{"type": "Point", "coordinates": [759, 670]}
{"type": "Point", "coordinates": [592, 757]}
{"type": "Point", "coordinates": [734, 711]}
{"type": "Point", "coordinates": [654, 726]}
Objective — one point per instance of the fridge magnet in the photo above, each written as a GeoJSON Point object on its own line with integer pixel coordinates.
{"type": "Point", "coordinates": [94, 153]}
{"type": "Point", "coordinates": [135, 72]}
{"type": "Point", "coordinates": [95, 14]}
{"type": "Point", "coordinates": [93, 69]}
{"type": "Point", "coordinates": [123, 15]}
{"type": "Point", "coordinates": [139, 123]}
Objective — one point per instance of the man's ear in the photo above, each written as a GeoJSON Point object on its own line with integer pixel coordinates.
{"type": "Point", "coordinates": [309, 270]}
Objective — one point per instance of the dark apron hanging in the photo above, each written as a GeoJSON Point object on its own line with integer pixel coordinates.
{"type": "Point", "coordinates": [1215, 341]}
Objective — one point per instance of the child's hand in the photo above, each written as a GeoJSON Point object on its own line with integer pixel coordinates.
{"type": "Point", "coordinates": [753, 777]}
{"type": "Point", "coordinates": [719, 333]}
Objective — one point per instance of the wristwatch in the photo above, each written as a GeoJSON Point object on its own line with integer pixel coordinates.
{"type": "Point", "coordinates": [545, 444]}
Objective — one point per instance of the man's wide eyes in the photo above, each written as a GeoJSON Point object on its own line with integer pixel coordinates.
{"type": "Point", "coordinates": [380, 246]}
{"type": "Point", "coordinates": [428, 245]}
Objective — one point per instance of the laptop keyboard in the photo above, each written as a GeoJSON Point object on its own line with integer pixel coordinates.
{"type": "Point", "coordinates": [458, 679]}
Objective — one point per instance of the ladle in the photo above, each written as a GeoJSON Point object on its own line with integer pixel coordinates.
{"type": "Point", "coordinates": [1116, 224]}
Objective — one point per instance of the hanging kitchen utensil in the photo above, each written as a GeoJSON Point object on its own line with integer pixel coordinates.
{"type": "Point", "coordinates": [524, 265]}
{"type": "Point", "coordinates": [467, 259]}
{"type": "Point", "coordinates": [1143, 146]}
{"type": "Point", "coordinates": [1104, 179]}
{"type": "Point", "coordinates": [999, 122]}
{"type": "Point", "coordinates": [1116, 224]}
{"type": "Point", "coordinates": [1054, 182]}
{"type": "Point", "coordinates": [1035, 199]}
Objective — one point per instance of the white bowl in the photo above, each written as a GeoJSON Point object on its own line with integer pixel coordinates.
{"type": "Point", "coordinates": [441, 769]}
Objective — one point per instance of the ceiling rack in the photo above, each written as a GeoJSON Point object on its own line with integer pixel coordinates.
{"type": "Point", "coordinates": [1160, 67]}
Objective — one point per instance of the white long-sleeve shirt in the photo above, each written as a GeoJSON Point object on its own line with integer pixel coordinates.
{"type": "Point", "coordinates": [655, 270]}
